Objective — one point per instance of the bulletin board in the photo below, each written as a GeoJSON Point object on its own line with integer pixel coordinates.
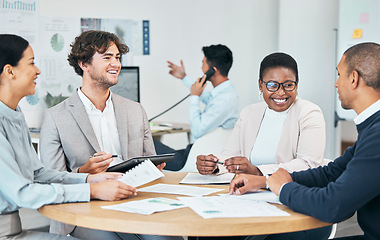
{"type": "Point", "coordinates": [50, 38]}
{"type": "Point", "coordinates": [359, 21]}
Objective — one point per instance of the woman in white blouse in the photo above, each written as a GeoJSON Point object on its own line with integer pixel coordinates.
{"type": "Point", "coordinates": [284, 131]}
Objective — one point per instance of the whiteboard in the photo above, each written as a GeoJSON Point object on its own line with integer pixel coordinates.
{"type": "Point", "coordinates": [356, 15]}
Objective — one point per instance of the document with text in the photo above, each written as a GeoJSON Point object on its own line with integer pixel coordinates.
{"type": "Point", "coordinates": [141, 174]}
{"type": "Point", "coordinates": [227, 207]}
{"type": "Point", "coordinates": [180, 190]}
{"type": "Point", "coordinates": [147, 206]}
{"type": "Point", "coordinates": [260, 195]}
{"type": "Point", "coordinates": [197, 178]}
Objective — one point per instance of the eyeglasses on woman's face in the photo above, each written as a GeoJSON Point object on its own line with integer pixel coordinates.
{"type": "Point", "coordinates": [273, 86]}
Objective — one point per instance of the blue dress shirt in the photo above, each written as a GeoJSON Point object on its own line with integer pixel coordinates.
{"type": "Point", "coordinates": [222, 108]}
{"type": "Point", "coordinates": [24, 182]}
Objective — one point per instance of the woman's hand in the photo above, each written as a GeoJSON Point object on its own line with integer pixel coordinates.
{"type": "Point", "coordinates": [206, 164]}
{"type": "Point", "coordinates": [99, 177]}
{"type": "Point", "coordinates": [240, 165]}
{"type": "Point", "coordinates": [111, 190]}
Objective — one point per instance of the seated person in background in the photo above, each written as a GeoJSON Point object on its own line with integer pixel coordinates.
{"type": "Point", "coordinates": [283, 131]}
{"type": "Point", "coordinates": [351, 183]}
{"type": "Point", "coordinates": [94, 122]}
{"type": "Point", "coordinates": [24, 182]}
{"type": "Point", "coordinates": [222, 102]}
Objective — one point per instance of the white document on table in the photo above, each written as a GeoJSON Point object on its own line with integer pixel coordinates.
{"type": "Point", "coordinates": [180, 190]}
{"type": "Point", "coordinates": [197, 178]}
{"type": "Point", "coordinates": [147, 206]}
{"type": "Point", "coordinates": [141, 174]}
{"type": "Point", "coordinates": [227, 207]}
{"type": "Point", "coordinates": [260, 195]}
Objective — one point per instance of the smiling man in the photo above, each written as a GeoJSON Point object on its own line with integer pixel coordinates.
{"type": "Point", "coordinates": [83, 132]}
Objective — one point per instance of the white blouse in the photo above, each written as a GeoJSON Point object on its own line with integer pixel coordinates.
{"type": "Point", "coordinates": [265, 147]}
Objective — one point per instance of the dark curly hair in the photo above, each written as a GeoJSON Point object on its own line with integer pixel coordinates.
{"type": "Point", "coordinates": [88, 43]}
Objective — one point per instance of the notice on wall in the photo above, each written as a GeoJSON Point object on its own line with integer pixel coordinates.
{"type": "Point", "coordinates": [50, 38]}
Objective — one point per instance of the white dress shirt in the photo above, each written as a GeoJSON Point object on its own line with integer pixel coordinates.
{"type": "Point", "coordinates": [104, 125]}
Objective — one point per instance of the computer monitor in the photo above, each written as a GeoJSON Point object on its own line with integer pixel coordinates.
{"type": "Point", "coordinates": [128, 85]}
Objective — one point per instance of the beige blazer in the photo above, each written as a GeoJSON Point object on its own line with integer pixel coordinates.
{"type": "Point", "coordinates": [302, 143]}
{"type": "Point", "coordinates": [67, 139]}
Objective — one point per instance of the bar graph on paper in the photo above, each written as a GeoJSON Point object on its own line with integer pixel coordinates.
{"type": "Point", "coordinates": [17, 6]}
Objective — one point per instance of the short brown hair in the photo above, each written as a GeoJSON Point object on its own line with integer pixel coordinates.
{"type": "Point", "coordinates": [88, 43]}
{"type": "Point", "coordinates": [364, 58]}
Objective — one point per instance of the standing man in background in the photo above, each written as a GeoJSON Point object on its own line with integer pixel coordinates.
{"type": "Point", "coordinates": [222, 102]}
{"type": "Point", "coordinates": [83, 132]}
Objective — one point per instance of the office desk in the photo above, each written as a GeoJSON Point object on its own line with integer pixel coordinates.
{"type": "Point", "coordinates": [174, 128]}
{"type": "Point", "coordinates": [180, 222]}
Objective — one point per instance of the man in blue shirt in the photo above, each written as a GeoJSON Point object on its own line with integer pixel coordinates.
{"type": "Point", "coordinates": [350, 183]}
{"type": "Point", "coordinates": [222, 102]}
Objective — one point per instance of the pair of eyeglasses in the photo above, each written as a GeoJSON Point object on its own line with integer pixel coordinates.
{"type": "Point", "coordinates": [273, 86]}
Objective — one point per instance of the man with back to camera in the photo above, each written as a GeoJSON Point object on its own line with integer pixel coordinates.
{"type": "Point", "coordinates": [222, 102]}
{"type": "Point", "coordinates": [350, 183]}
{"type": "Point", "coordinates": [95, 122]}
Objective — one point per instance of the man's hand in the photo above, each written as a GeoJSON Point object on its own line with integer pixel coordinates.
{"type": "Point", "coordinates": [98, 163]}
{"type": "Point", "coordinates": [111, 190]}
{"type": "Point", "coordinates": [161, 166]}
{"type": "Point", "coordinates": [177, 71]}
{"type": "Point", "coordinates": [277, 179]}
{"type": "Point", "coordinates": [241, 165]}
{"type": "Point", "coordinates": [99, 177]}
{"type": "Point", "coordinates": [206, 164]}
{"type": "Point", "coordinates": [247, 183]}
{"type": "Point", "coordinates": [198, 87]}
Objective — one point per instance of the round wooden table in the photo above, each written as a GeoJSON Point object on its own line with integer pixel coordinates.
{"type": "Point", "coordinates": [180, 222]}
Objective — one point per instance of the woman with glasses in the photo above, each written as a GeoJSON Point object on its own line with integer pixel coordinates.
{"type": "Point", "coordinates": [283, 131]}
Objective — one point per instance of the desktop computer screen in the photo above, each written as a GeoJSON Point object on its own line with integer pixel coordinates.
{"type": "Point", "coordinates": [128, 85]}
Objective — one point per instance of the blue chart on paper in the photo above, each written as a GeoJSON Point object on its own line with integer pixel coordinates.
{"type": "Point", "coordinates": [18, 5]}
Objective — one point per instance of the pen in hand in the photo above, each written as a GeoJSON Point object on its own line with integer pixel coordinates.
{"type": "Point", "coordinates": [101, 155]}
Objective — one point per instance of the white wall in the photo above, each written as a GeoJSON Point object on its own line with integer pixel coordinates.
{"type": "Point", "coordinates": [251, 28]}
{"type": "Point", "coordinates": [179, 29]}
{"type": "Point", "coordinates": [306, 31]}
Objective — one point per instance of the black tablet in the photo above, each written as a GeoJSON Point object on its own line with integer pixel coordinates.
{"type": "Point", "coordinates": [130, 163]}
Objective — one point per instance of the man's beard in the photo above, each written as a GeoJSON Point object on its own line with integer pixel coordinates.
{"type": "Point", "coordinates": [103, 82]}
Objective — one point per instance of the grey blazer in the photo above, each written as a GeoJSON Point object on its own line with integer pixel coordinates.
{"type": "Point", "coordinates": [67, 139]}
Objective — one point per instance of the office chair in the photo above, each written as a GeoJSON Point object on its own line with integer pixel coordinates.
{"type": "Point", "coordinates": [210, 143]}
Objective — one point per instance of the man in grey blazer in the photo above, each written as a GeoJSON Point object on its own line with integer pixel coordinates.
{"type": "Point", "coordinates": [83, 132]}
